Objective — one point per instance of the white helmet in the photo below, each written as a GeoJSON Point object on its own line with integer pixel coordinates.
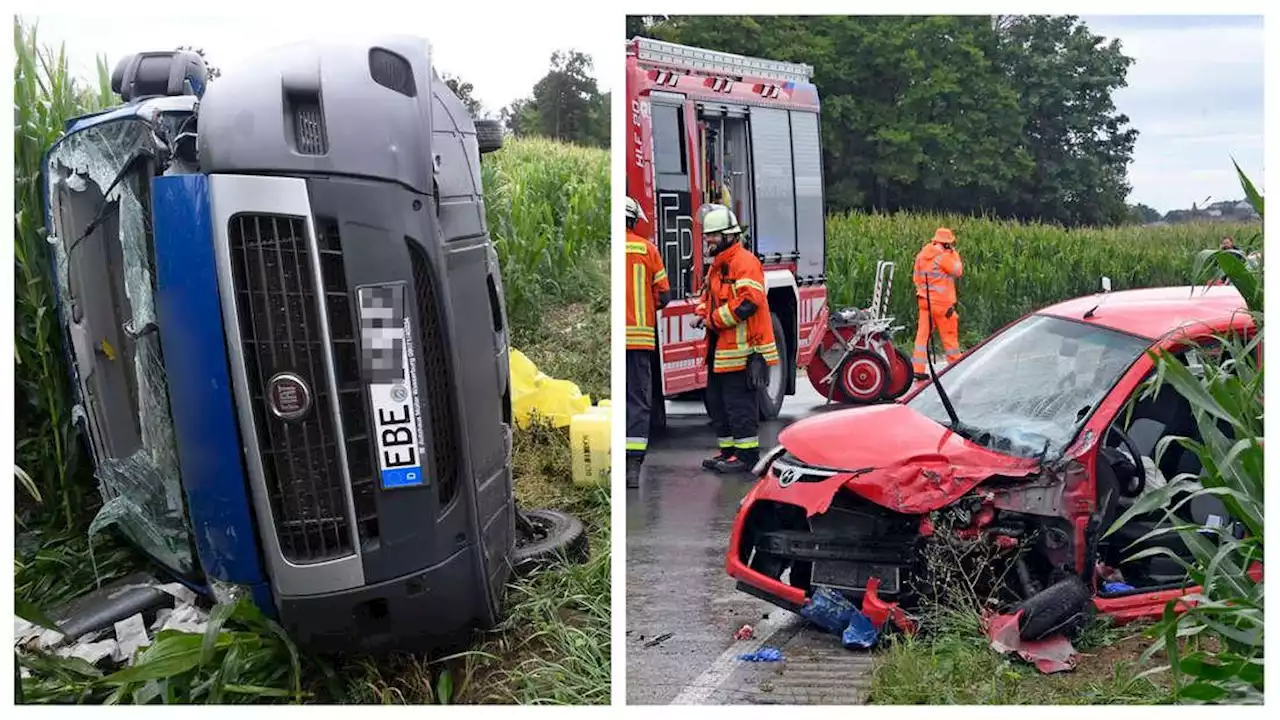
{"type": "Point", "coordinates": [634, 211]}
{"type": "Point", "coordinates": [719, 219]}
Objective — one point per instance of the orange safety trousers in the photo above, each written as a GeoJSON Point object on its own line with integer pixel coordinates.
{"type": "Point", "coordinates": [948, 330]}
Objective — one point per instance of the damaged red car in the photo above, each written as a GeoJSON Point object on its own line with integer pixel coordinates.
{"type": "Point", "coordinates": [1029, 447]}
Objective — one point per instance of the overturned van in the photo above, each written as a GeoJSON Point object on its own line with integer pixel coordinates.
{"type": "Point", "coordinates": [288, 339]}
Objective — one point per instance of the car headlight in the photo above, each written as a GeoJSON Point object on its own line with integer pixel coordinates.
{"type": "Point", "coordinates": [762, 465]}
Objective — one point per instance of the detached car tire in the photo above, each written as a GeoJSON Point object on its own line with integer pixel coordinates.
{"type": "Point", "coordinates": [559, 537]}
{"type": "Point", "coordinates": [1062, 607]}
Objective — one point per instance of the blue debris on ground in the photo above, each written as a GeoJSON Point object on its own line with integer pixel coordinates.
{"type": "Point", "coordinates": [1116, 587]}
{"type": "Point", "coordinates": [834, 613]}
{"type": "Point", "coordinates": [860, 633]}
{"type": "Point", "coordinates": [764, 654]}
{"type": "Point", "coordinates": [828, 610]}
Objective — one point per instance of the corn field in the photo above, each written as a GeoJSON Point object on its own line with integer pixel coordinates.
{"type": "Point", "coordinates": [548, 213]}
{"type": "Point", "coordinates": [1013, 268]}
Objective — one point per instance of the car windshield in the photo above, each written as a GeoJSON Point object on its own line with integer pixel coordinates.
{"type": "Point", "coordinates": [1027, 391]}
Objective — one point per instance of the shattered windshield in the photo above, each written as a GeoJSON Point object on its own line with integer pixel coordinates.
{"type": "Point", "coordinates": [1028, 390]}
{"type": "Point", "coordinates": [100, 236]}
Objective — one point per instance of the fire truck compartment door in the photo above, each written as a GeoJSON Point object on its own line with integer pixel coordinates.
{"type": "Point", "coordinates": [775, 230]}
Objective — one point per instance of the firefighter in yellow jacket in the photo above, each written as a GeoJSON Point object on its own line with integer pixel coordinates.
{"type": "Point", "coordinates": [937, 268]}
{"type": "Point", "coordinates": [734, 308]}
{"type": "Point", "coordinates": [648, 291]}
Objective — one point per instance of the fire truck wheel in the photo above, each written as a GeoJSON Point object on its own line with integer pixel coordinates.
{"type": "Point", "coordinates": [1060, 608]}
{"type": "Point", "coordinates": [546, 537]}
{"type": "Point", "coordinates": [775, 391]}
{"type": "Point", "coordinates": [900, 374]}
{"type": "Point", "coordinates": [863, 376]}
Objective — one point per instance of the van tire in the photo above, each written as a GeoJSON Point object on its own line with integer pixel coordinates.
{"type": "Point", "coordinates": [560, 538]}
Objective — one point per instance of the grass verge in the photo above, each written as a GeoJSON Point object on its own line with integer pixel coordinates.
{"type": "Point", "coordinates": [955, 665]}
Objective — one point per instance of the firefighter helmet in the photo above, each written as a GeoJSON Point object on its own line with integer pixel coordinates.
{"type": "Point", "coordinates": [633, 210]}
{"type": "Point", "coordinates": [718, 219]}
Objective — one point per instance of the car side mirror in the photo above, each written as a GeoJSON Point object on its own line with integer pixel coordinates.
{"type": "Point", "coordinates": [1106, 284]}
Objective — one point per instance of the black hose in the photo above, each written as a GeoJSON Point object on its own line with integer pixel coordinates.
{"type": "Point", "coordinates": [942, 394]}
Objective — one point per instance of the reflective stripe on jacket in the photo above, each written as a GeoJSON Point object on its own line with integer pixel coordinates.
{"type": "Point", "coordinates": [646, 277]}
{"type": "Point", "coordinates": [936, 271]}
{"type": "Point", "coordinates": [735, 277]}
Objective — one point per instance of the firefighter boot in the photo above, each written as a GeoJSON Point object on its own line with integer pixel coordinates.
{"type": "Point", "coordinates": [711, 462]}
{"type": "Point", "coordinates": [740, 462]}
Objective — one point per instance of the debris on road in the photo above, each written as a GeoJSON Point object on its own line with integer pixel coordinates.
{"type": "Point", "coordinates": [659, 640]}
{"type": "Point", "coordinates": [860, 633]}
{"type": "Point", "coordinates": [828, 609]}
{"type": "Point", "coordinates": [764, 654]}
{"type": "Point", "coordinates": [1052, 654]}
{"type": "Point", "coordinates": [746, 632]}
{"type": "Point", "coordinates": [108, 627]}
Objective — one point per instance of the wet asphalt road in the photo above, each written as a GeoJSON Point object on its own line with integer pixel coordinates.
{"type": "Point", "coordinates": [682, 609]}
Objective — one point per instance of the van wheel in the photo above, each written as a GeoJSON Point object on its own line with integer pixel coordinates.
{"type": "Point", "coordinates": [546, 537]}
{"type": "Point", "coordinates": [775, 391]}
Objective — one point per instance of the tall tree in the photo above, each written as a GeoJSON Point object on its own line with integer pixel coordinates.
{"type": "Point", "coordinates": [464, 90]}
{"type": "Point", "coordinates": [566, 104]}
{"type": "Point", "coordinates": [940, 113]}
{"type": "Point", "coordinates": [1065, 76]}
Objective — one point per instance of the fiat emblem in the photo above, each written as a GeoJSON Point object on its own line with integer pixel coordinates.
{"type": "Point", "coordinates": [288, 396]}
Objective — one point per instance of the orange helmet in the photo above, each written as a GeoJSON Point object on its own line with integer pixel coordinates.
{"type": "Point", "coordinates": [944, 236]}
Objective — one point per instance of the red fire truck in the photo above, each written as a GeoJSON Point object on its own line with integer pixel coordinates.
{"type": "Point", "coordinates": [708, 126]}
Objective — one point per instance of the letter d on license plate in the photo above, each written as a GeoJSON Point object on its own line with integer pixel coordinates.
{"type": "Point", "coordinates": [388, 362]}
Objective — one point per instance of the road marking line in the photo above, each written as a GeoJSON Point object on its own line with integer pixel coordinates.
{"type": "Point", "coordinates": [698, 691]}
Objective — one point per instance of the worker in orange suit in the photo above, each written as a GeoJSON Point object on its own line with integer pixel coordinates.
{"type": "Point", "coordinates": [937, 268]}
{"type": "Point", "coordinates": [648, 291]}
{"type": "Point", "coordinates": [740, 344]}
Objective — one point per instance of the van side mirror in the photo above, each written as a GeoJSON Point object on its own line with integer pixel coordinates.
{"type": "Point", "coordinates": [488, 135]}
{"type": "Point", "coordinates": [1106, 284]}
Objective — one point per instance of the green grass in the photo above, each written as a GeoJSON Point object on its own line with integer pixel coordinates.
{"type": "Point", "coordinates": [548, 212]}
{"type": "Point", "coordinates": [1013, 268]}
{"type": "Point", "coordinates": [954, 665]}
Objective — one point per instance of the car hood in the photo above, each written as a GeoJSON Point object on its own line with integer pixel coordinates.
{"type": "Point", "coordinates": [891, 455]}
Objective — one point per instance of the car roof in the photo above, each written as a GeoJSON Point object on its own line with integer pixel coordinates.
{"type": "Point", "coordinates": [1155, 312]}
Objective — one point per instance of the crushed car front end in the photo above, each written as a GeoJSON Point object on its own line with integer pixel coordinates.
{"type": "Point", "coordinates": [903, 498]}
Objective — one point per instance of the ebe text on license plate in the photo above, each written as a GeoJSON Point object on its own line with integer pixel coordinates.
{"type": "Point", "coordinates": [389, 363]}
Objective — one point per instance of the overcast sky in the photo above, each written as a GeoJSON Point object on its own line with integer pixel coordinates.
{"type": "Point", "coordinates": [502, 55]}
{"type": "Point", "coordinates": [1195, 97]}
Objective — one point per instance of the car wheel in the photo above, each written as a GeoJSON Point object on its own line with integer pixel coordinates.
{"type": "Point", "coordinates": [1060, 608]}
{"type": "Point", "coordinates": [545, 537]}
{"type": "Point", "coordinates": [775, 390]}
